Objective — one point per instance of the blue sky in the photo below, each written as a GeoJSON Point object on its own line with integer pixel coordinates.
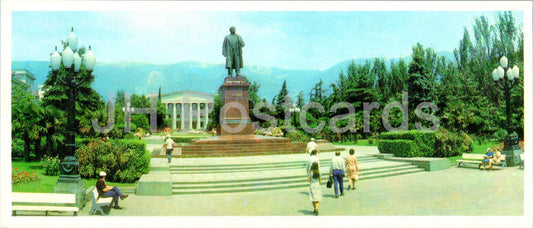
{"type": "Point", "coordinates": [285, 39]}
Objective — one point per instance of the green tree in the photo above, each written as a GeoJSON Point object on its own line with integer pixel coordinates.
{"type": "Point", "coordinates": [300, 102]}
{"type": "Point", "coordinates": [422, 85]}
{"type": "Point", "coordinates": [26, 113]}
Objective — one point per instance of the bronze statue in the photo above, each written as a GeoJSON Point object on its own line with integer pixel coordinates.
{"type": "Point", "coordinates": [232, 50]}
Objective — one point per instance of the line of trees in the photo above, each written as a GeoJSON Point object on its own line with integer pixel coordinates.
{"type": "Point", "coordinates": [462, 88]}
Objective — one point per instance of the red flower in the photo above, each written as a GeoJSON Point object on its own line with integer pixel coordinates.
{"type": "Point", "coordinates": [16, 168]}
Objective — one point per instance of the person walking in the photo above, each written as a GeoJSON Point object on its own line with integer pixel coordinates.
{"type": "Point", "coordinates": [109, 191]}
{"type": "Point", "coordinates": [311, 146]}
{"type": "Point", "coordinates": [169, 147]}
{"type": "Point", "coordinates": [352, 169]}
{"type": "Point", "coordinates": [315, 194]}
{"type": "Point", "coordinates": [336, 169]}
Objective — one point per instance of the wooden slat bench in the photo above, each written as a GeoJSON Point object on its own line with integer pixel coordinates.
{"type": "Point", "coordinates": [25, 201]}
{"type": "Point", "coordinates": [99, 202]}
{"type": "Point", "coordinates": [478, 159]}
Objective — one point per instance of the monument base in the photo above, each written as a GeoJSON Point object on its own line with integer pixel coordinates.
{"type": "Point", "coordinates": [229, 129]}
{"type": "Point", "coordinates": [72, 185]}
{"type": "Point", "coordinates": [242, 145]}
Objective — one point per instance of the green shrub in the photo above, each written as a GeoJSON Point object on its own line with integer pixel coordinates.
{"type": "Point", "coordinates": [51, 165]}
{"type": "Point", "coordinates": [424, 141]}
{"type": "Point", "coordinates": [123, 160]}
{"type": "Point", "coordinates": [297, 136]}
{"type": "Point", "coordinates": [500, 134]}
{"type": "Point", "coordinates": [187, 139]}
{"type": "Point", "coordinates": [449, 144]}
{"type": "Point", "coordinates": [17, 148]}
{"type": "Point", "coordinates": [400, 148]}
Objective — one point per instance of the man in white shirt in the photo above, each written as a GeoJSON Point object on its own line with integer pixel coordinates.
{"type": "Point", "coordinates": [169, 143]}
{"type": "Point", "coordinates": [311, 146]}
{"type": "Point", "coordinates": [337, 171]}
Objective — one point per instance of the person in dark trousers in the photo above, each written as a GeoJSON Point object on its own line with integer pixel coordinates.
{"type": "Point", "coordinates": [109, 191]}
{"type": "Point", "coordinates": [169, 145]}
{"type": "Point", "coordinates": [337, 171]}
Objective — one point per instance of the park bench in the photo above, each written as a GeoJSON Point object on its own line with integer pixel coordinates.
{"type": "Point", "coordinates": [99, 202]}
{"type": "Point", "coordinates": [54, 202]}
{"type": "Point", "coordinates": [521, 161]}
{"type": "Point", "coordinates": [478, 159]}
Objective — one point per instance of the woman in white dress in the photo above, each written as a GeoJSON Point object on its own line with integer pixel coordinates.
{"type": "Point", "coordinates": [315, 195]}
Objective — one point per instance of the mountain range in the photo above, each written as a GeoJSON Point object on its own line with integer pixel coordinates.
{"type": "Point", "coordinates": [146, 78]}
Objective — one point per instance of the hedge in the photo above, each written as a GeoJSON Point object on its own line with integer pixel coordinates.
{"type": "Point", "coordinates": [400, 148]}
{"type": "Point", "coordinates": [424, 141]}
{"type": "Point", "coordinates": [439, 143]}
{"type": "Point", "coordinates": [187, 139]}
{"type": "Point", "coordinates": [123, 160]}
{"type": "Point", "coordinates": [297, 136]}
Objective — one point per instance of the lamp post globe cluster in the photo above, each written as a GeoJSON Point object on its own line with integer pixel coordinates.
{"type": "Point", "coordinates": [506, 77]}
{"type": "Point", "coordinates": [70, 180]}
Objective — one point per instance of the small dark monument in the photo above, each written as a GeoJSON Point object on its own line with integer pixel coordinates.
{"type": "Point", "coordinates": [236, 131]}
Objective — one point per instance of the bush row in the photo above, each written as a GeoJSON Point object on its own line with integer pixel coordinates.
{"type": "Point", "coordinates": [297, 136]}
{"type": "Point", "coordinates": [423, 143]}
{"type": "Point", "coordinates": [124, 160]}
{"type": "Point", "coordinates": [400, 147]}
{"type": "Point", "coordinates": [416, 143]}
{"type": "Point", "coordinates": [187, 139]}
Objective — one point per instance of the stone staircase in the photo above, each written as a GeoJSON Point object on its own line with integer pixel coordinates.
{"type": "Point", "coordinates": [257, 176]}
{"type": "Point", "coordinates": [241, 146]}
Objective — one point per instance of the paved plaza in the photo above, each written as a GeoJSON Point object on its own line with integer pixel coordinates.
{"type": "Point", "coordinates": [454, 191]}
{"type": "Point", "coordinates": [377, 202]}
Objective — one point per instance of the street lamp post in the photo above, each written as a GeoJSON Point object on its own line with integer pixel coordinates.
{"type": "Point", "coordinates": [506, 78]}
{"type": "Point", "coordinates": [70, 180]}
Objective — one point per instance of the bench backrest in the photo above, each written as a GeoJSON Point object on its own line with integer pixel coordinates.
{"type": "Point", "coordinates": [473, 156]}
{"type": "Point", "coordinates": [44, 198]}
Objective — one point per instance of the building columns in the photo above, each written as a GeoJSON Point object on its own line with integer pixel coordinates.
{"type": "Point", "coordinates": [190, 116]}
{"type": "Point", "coordinates": [198, 118]}
{"type": "Point", "coordinates": [173, 116]}
{"type": "Point", "coordinates": [206, 107]}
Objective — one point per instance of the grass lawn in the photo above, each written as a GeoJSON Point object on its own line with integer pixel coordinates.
{"type": "Point", "coordinates": [46, 183]}
{"type": "Point", "coordinates": [361, 142]}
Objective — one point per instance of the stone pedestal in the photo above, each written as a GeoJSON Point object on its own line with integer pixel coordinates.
{"type": "Point", "coordinates": [73, 185]}
{"type": "Point", "coordinates": [512, 155]}
{"type": "Point", "coordinates": [235, 115]}
{"type": "Point", "coordinates": [512, 150]}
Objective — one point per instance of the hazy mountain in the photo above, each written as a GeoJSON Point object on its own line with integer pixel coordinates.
{"type": "Point", "coordinates": [145, 78]}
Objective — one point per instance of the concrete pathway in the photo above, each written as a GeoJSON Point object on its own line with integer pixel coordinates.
{"type": "Point", "coordinates": [455, 191]}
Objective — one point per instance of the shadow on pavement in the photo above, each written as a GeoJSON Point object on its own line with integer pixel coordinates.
{"type": "Point", "coordinates": [306, 212]}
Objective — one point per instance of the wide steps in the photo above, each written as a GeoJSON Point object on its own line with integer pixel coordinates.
{"type": "Point", "coordinates": [272, 176]}
{"type": "Point", "coordinates": [194, 169]}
